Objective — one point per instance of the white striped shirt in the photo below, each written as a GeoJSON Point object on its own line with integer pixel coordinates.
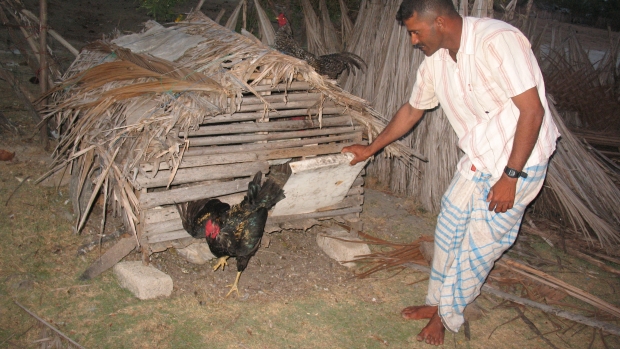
{"type": "Point", "coordinates": [494, 63]}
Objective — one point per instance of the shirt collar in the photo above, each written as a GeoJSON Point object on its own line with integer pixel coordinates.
{"type": "Point", "coordinates": [467, 36]}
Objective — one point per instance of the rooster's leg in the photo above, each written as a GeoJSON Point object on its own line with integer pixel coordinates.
{"type": "Point", "coordinates": [221, 262]}
{"type": "Point", "coordinates": [234, 286]}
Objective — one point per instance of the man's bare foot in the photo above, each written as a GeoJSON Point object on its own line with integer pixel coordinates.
{"type": "Point", "coordinates": [433, 332]}
{"type": "Point", "coordinates": [417, 312]}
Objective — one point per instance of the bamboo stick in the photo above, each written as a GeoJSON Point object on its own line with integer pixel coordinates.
{"type": "Point", "coordinates": [281, 144]}
{"type": "Point", "coordinates": [49, 325]}
{"type": "Point", "coordinates": [207, 173]}
{"type": "Point", "coordinates": [274, 154]}
{"type": "Point", "coordinates": [252, 116]}
{"type": "Point", "coordinates": [557, 283]}
{"type": "Point", "coordinates": [269, 126]}
{"type": "Point", "coordinates": [53, 33]}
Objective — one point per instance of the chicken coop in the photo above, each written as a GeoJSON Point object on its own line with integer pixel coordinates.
{"type": "Point", "coordinates": [193, 111]}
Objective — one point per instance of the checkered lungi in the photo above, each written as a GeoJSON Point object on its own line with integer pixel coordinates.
{"type": "Point", "coordinates": [469, 239]}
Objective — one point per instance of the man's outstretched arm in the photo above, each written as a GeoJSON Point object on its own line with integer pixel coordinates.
{"type": "Point", "coordinates": [404, 119]}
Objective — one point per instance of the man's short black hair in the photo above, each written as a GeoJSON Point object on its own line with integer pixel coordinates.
{"type": "Point", "coordinates": [422, 7]}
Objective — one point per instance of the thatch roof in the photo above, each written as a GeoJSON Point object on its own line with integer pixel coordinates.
{"type": "Point", "coordinates": [126, 101]}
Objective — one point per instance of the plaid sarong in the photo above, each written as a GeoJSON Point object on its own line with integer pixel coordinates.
{"type": "Point", "coordinates": [469, 239]}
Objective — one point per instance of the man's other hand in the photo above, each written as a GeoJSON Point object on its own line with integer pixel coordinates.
{"type": "Point", "coordinates": [501, 197]}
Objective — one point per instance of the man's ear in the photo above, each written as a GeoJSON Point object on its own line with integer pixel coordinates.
{"type": "Point", "coordinates": [440, 23]}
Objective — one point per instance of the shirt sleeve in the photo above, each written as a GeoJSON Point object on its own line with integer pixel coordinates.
{"type": "Point", "coordinates": [423, 93]}
{"type": "Point", "coordinates": [511, 61]}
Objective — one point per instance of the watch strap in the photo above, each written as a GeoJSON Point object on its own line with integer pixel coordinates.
{"type": "Point", "coordinates": [512, 173]}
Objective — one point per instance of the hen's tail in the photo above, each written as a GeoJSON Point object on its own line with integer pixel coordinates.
{"type": "Point", "coordinates": [266, 195]}
{"type": "Point", "coordinates": [349, 60]}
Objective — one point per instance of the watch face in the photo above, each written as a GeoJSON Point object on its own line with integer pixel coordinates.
{"type": "Point", "coordinates": [511, 172]}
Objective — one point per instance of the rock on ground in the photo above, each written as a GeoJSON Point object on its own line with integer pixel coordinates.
{"type": "Point", "coordinates": [197, 253]}
{"type": "Point", "coordinates": [332, 242]}
{"type": "Point", "coordinates": [145, 282]}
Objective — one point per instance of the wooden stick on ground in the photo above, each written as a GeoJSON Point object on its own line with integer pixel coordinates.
{"type": "Point", "coordinates": [48, 325]}
{"type": "Point", "coordinates": [559, 284]}
{"type": "Point", "coordinates": [607, 327]}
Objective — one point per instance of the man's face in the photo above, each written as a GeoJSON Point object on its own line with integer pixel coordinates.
{"type": "Point", "coordinates": [423, 33]}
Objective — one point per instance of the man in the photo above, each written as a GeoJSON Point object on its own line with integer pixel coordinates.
{"type": "Point", "coordinates": [487, 80]}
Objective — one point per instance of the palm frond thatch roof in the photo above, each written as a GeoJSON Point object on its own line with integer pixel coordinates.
{"type": "Point", "coordinates": [125, 107]}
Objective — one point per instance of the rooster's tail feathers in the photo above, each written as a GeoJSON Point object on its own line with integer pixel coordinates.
{"type": "Point", "coordinates": [254, 187]}
{"type": "Point", "coordinates": [349, 59]}
{"type": "Point", "coordinates": [270, 194]}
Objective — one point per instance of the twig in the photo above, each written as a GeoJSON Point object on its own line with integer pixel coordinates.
{"type": "Point", "coordinates": [14, 191]}
{"type": "Point", "coordinates": [500, 325]}
{"type": "Point", "coordinates": [49, 326]}
{"type": "Point", "coordinates": [533, 327]}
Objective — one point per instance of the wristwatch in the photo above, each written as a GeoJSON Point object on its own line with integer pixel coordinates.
{"type": "Point", "coordinates": [512, 173]}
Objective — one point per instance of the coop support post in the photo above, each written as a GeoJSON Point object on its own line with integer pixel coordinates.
{"type": "Point", "coordinates": [43, 67]}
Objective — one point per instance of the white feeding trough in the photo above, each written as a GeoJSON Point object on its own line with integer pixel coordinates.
{"type": "Point", "coordinates": [317, 183]}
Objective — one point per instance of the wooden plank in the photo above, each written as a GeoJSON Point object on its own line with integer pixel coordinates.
{"type": "Point", "coordinates": [205, 173]}
{"type": "Point", "coordinates": [166, 213]}
{"type": "Point", "coordinates": [250, 138]}
{"type": "Point", "coordinates": [282, 98]}
{"type": "Point", "coordinates": [349, 201]}
{"type": "Point", "coordinates": [325, 214]}
{"type": "Point", "coordinates": [165, 226]}
{"type": "Point", "coordinates": [172, 235]}
{"type": "Point", "coordinates": [273, 114]}
{"type": "Point", "coordinates": [286, 105]}
{"type": "Point", "coordinates": [288, 125]}
{"type": "Point", "coordinates": [160, 214]}
{"type": "Point", "coordinates": [350, 137]}
{"type": "Point", "coordinates": [109, 258]}
{"type": "Point", "coordinates": [294, 86]}
{"type": "Point", "coordinates": [195, 161]}
{"type": "Point", "coordinates": [178, 195]}
{"type": "Point", "coordinates": [317, 182]}
{"type": "Point", "coordinates": [355, 191]}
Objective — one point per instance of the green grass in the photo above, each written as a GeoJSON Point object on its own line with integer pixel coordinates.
{"type": "Point", "coordinates": [39, 269]}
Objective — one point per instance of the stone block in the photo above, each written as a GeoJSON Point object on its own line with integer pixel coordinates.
{"type": "Point", "coordinates": [197, 253]}
{"type": "Point", "coordinates": [331, 242]}
{"type": "Point", "coordinates": [145, 282]}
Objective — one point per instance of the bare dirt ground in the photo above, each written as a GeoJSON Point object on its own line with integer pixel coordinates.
{"type": "Point", "coordinates": [291, 295]}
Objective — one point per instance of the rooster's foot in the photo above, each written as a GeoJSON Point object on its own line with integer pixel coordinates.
{"type": "Point", "coordinates": [221, 262]}
{"type": "Point", "coordinates": [234, 286]}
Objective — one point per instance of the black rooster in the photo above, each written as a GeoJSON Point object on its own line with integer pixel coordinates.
{"type": "Point", "coordinates": [232, 231]}
{"type": "Point", "coordinates": [331, 65]}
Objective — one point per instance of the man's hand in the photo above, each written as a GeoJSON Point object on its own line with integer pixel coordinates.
{"type": "Point", "coordinates": [502, 194]}
{"type": "Point", "coordinates": [360, 153]}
